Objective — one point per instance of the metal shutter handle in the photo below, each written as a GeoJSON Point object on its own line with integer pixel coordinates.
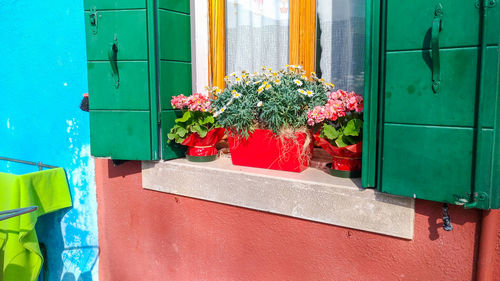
{"type": "Point", "coordinates": [436, 63]}
{"type": "Point", "coordinates": [113, 60]}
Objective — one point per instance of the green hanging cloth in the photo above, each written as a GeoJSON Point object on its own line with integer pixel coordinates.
{"type": "Point", "coordinates": [20, 255]}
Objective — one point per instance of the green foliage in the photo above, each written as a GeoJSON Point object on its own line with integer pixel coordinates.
{"type": "Point", "coordinates": [268, 100]}
{"type": "Point", "coordinates": [344, 131]}
{"type": "Point", "coordinates": [191, 122]}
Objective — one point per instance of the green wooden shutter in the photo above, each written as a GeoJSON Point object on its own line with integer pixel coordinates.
{"type": "Point", "coordinates": [372, 64]}
{"type": "Point", "coordinates": [174, 65]}
{"type": "Point", "coordinates": [436, 106]}
{"type": "Point", "coordinates": [139, 56]}
{"type": "Point", "coordinates": [495, 163]}
{"type": "Point", "coordinates": [120, 65]}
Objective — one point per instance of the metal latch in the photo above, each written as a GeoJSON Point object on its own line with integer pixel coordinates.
{"type": "Point", "coordinates": [473, 202]}
{"type": "Point", "coordinates": [93, 20]}
{"type": "Point", "coordinates": [446, 219]}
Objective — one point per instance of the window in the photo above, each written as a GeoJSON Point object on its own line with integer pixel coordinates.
{"type": "Point", "coordinates": [256, 34]}
{"type": "Point", "coordinates": [340, 43]}
{"type": "Point", "coordinates": [418, 96]}
{"type": "Point", "coordinates": [286, 25]}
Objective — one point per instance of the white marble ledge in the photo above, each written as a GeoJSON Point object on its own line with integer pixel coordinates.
{"type": "Point", "coordinates": [312, 195]}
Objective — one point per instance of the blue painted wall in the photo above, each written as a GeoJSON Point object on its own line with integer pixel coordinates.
{"type": "Point", "coordinates": [42, 78]}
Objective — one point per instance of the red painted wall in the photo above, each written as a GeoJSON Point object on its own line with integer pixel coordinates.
{"type": "Point", "coordinates": [148, 235]}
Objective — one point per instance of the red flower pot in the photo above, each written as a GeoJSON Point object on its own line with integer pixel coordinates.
{"type": "Point", "coordinates": [203, 149]}
{"type": "Point", "coordinates": [263, 149]}
{"type": "Point", "coordinates": [346, 161]}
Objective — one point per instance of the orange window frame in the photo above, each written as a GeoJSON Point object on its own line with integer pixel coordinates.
{"type": "Point", "coordinates": [302, 33]}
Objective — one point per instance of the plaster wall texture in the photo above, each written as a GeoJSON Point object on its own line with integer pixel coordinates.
{"type": "Point", "coordinates": [159, 236]}
{"type": "Point", "coordinates": [42, 78]}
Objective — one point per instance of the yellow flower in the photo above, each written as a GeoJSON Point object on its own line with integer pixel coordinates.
{"type": "Point", "coordinates": [268, 86]}
{"type": "Point", "coordinates": [330, 85]}
{"type": "Point", "coordinates": [301, 91]}
{"type": "Point", "coordinates": [298, 82]}
{"type": "Point", "coordinates": [264, 83]}
{"type": "Point", "coordinates": [219, 111]}
{"type": "Point", "coordinates": [309, 93]}
{"type": "Point", "coordinates": [277, 81]}
{"type": "Point", "coordinates": [303, 77]}
{"type": "Point", "coordinates": [233, 74]}
{"type": "Point", "coordinates": [259, 104]}
{"type": "Point", "coordinates": [260, 89]}
{"type": "Point", "coordinates": [247, 83]}
{"type": "Point", "coordinates": [236, 94]}
{"type": "Point", "coordinates": [238, 79]}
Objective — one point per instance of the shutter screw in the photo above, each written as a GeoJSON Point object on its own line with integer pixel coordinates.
{"type": "Point", "coordinates": [446, 219]}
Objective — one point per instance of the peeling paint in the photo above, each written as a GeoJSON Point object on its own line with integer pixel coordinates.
{"type": "Point", "coordinates": [49, 125]}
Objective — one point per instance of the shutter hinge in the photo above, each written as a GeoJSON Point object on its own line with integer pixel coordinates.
{"type": "Point", "coordinates": [158, 120]}
{"type": "Point", "coordinates": [489, 3]}
{"type": "Point", "coordinates": [476, 198]}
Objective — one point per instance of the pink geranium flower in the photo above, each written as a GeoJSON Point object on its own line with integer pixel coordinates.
{"type": "Point", "coordinates": [334, 109]}
{"type": "Point", "coordinates": [338, 95]}
{"type": "Point", "coordinates": [317, 115]}
{"type": "Point", "coordinates": [179, 101]}
{"type": "Point", "coordinates": [195, 102]}
{"type": "Point", "coordinates": [198, 102]}
{"type": "Point", "coordinates": [354, 102]}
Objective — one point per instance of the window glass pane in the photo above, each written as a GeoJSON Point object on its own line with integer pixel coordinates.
{"type": "Point", "coordinates": [256, 34]}
{"type": "Point", "coordinates": [341, 43]}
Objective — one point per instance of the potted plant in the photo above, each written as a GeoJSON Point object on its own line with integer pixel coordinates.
{"type": "Point", "coordinates": [266, 116]}
{"type": "Point", "coordinates": [196, 129]}
{"type": "Point", "coordinates": [338, 130]}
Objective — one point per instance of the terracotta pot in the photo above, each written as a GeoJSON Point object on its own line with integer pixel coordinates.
{"type": "Point", "coordinates": [263, 149]}
{"type": "Point", "coordinates": [203, 149]}
{"type": "Point", "coordinates": [346, 161]}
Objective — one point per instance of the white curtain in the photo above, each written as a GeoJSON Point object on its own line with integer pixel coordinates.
{"type": "Point", "coordinates": [256, 34]}
{"type": "Point", "coordinates": [342, 43]}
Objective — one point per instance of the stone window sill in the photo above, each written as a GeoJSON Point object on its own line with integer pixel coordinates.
{"type": "Point", "coordinates": [312, 195]}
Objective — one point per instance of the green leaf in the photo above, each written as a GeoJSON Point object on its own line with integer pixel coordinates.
{"type": "Point", "coordinates": [181, 131]}
{"type": "Point", "coordinates": [171, 136]}
{"type": "Point", "coordinates": [179, 139]}
{"type": "Point", "coordinates": [184, 117]}
{"type": "Point", "coordinates": [341, 142]}
{"type": "Point", "coordinates": [353, 127]}
{"type": "Point", "coordinates": [348, 140]}
{"type": "Point", "coordinates": [330, 132]}
{"type": "Point", "coordinates": [202, 131]}
{"type": "Point", "coordinates": [208, 120]}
